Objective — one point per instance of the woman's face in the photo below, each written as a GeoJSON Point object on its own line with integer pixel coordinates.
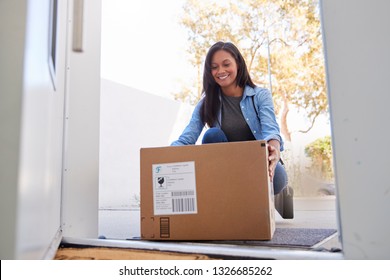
{"type": "Point", "coordinates": [224, 69]}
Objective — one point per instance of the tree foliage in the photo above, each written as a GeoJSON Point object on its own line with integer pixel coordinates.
{"type": "Point", "coordinates": [320, 153]}
{"type": "Point", "coordinates": [280, 40]}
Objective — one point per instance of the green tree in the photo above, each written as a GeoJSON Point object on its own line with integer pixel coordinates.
{"type": "Point", "coordinates": [320, 153]}
{"type": "Point", "coordinates": [280, 40]}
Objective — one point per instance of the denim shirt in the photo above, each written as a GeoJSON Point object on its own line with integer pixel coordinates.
{"type": "Point", "coordinates": [263, 125]}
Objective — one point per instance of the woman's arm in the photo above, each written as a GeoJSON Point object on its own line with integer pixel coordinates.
{"type": "Point", "coordinates": [192, 131]}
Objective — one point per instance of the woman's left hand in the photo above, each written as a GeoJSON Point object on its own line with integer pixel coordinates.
{"type": "Point", "coordinates": [273, 156]}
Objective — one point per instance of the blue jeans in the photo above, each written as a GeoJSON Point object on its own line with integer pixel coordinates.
{"type": "Point", "coordinates": [216, 135]}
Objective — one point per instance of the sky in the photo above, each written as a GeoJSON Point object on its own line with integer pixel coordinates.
{"type": "Point", "coordinates": [143, 45]}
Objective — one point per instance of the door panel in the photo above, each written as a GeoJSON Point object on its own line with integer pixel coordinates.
{"type": "Point", "coordinates": [41, 140]}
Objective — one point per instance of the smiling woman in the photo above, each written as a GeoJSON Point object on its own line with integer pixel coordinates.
{"type": "Point", "coordinates": [235, 109]}
{"type": "Point", "coordinates": [224, 70]}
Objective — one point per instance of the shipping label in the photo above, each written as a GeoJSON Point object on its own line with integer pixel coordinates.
{"type": "Point", "coordinates": [174, 188]}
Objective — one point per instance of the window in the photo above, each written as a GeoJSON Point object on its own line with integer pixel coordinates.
{"type": "Point", "coordinates": [53, 40]}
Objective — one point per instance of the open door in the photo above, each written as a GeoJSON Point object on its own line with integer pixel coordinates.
{"type": "Point", "coordinates": [49, 106]}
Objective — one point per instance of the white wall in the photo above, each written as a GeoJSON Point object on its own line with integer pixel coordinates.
{"type": "Point", "coordinates": [357, 47]}
{"type": "Point", "coordinates": [132, 119]}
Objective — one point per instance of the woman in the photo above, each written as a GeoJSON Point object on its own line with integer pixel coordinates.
{"type": "Point", "coordinates": [235, 109]}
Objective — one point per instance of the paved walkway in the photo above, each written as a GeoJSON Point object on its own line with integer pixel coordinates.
{"type": "Point", "coordinates": [319, 212]}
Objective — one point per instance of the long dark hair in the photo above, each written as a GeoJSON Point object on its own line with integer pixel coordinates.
{"type": "Point", "coordinates": [211, 90]}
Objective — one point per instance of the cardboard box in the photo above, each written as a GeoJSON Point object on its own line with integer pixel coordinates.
{"type": "Point", "coordinates": [207, 192]}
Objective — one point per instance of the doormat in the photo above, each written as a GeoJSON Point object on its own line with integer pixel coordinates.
{"type": "Point", "coordinates": [291, 237]}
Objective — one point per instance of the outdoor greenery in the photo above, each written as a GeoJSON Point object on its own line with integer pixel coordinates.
{"type": "Point", "coordinates": [280, 40]}
{"type": "Point", "coordinates": [320, 152]}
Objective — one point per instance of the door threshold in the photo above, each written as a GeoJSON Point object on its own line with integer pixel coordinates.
{"type": "Point", "coordinates": [224, 251]}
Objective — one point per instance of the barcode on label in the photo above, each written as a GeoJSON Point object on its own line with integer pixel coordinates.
{"type": "Point", "coordinates": [183, 193]}
{"type": "Point", "coordinates": [183, 205]}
